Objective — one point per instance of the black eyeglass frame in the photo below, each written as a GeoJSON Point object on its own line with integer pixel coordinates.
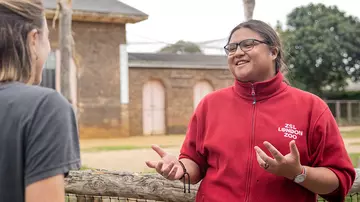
{"type": "Point", "coordinates": [226, 47]}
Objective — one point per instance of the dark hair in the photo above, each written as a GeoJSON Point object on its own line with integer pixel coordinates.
{"type": "Point", "coordinates": [270, 36]}
{"type": "Point", "coordinates": [17, 19]}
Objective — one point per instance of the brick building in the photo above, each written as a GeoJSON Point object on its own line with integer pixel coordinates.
{"type": "Point", "coordinates": [116, 93]}
{"type": "Point", "coordinates": [165, 89]}
{"type": "Point", "coordinates": [99, 30]}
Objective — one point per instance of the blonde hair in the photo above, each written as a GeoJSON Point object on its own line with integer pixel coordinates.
{"type": "Point", "coordinates": [17, 19]}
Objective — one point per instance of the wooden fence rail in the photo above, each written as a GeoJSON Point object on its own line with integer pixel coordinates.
{"type": "Point", "coordinates": [346, 112]}
{"type": "Point", "coordinates": [137, 186]}
{"type": "Point", "coordinates": [127, 185]}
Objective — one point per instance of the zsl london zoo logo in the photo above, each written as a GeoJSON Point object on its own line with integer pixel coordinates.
{"type": "Point", "coordinates": [290, 131]}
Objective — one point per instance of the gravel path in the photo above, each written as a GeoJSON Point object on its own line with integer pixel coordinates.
{"type": "Point", "coordinates": [126, 160]}
{"type": "Point", "coordinates": [134, 160]}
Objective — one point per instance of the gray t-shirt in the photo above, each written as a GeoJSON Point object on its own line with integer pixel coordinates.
{"type": "Point", "coordinates": [38, 138]}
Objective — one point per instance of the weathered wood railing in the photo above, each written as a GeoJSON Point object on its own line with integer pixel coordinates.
{"type": "Point", "coordinates": [132, 185]}
{"type": "Point", "coordinates": [127, 185]}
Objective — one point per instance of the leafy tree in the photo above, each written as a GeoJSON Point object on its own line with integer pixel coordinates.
{"type": "Point", "coordinates": [322, 47]}
{"type": "Point", "coordinates": [181, 47]}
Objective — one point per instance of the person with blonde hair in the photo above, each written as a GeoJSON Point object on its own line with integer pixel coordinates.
{"type": "Point", "coordinates": [39, 141]}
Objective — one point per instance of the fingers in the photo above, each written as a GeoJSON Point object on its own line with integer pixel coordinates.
{"type": "Point", "coordinates": [169, 172]}
{"type": "Point", "coordinates": [293, 149]}
{"type": "Point", "coordinates": [158, 150]}
{"type": "Point", "coordinates": [151, 164]}
{"type": "Point", "coordinates": [159, 167]}
{"type": "Point", "coordinates": [261, 162]}
{"type": "Point", "coordinates": [172, 175]}
{"type": "Point", "coordinates": [155, 164]}
{"type": "Point", "coordinates": [274, 152]}
{"type": "Point", "coordinates": [263, 156]}
{"type": "Point", "coordinates": [166, 171]}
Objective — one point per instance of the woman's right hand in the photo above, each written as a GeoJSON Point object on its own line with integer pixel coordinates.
{"type": "Point", "coordinates": [169, 166]}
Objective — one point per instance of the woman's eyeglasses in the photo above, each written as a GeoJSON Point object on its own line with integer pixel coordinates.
{"type": "Point", "coordinates": [245, 45]}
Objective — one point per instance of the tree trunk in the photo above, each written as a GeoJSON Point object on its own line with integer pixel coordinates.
{"type": "Point", "coordinates": [92, 183]}
{"type": "Point", "coordinates": [249, 6]}
{"type": "Point", "coordinates": [128, 185]}
{"type": "Point", "coordinates": [65, 45]}
{"type": "Point", "coordinates": [356, 185]}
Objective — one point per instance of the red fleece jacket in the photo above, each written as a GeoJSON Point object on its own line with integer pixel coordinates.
{"type": "Point", "coordinates": [228, 123]}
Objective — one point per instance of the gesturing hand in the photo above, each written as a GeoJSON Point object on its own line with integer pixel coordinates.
{"type": "Point", "coordinates": [169, 166]}
{"type": "Point", "coordinates": [287, 166]}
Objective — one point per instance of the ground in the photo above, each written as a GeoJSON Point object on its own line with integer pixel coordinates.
{"type": "Point", "coordinates": [126, 154]}
{"type": "Point", "coordinates": [130, 154]}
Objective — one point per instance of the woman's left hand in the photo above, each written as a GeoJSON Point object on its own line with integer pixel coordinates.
{"type": "Point", "coordinates": [287, 166]}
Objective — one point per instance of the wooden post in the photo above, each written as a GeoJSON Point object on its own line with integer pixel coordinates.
{"type": "Point", "coordinates": [65, 44]}
{"type": "Point", "coordinates": [358, 114]}
{"type": "Point", "coordinates": [124, 90]}
{"type": "Point", "coordinates": [338, 111]}
{"type": "Point", "coordinates": [349, 112]}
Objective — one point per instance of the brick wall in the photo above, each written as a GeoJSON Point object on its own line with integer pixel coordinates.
{"type": "Point", "coordinates": [97, 47]}
{"type": "Point", "coordinates": [178, 85]}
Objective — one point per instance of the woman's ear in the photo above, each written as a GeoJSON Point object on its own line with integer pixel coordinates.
{"type": "Point", "coordinates": [274, 52]}
{"type": "Point", "coordinates": [33, 37]}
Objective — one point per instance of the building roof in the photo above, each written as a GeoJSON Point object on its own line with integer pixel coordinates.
{"type": "Point", "coordinates": [222, 41]}
{"type": "Point", "coordinates": [170, 60]}
{"type": "Point", "coordinates": [105, 7]}
{"type": "Point", "coordinates": [98, 6]}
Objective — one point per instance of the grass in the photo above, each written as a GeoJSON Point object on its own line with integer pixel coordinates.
{"type": "Point", "coordinates": [350, 198]}
{"type": "Point", "coordinates": [351, 134]}
{"type": "Point", "coordinates": [148, 171]}
{"type": "Point", "coordinates": [145, 171]}
{"type": "Point", "coordinates": [84, 167]}
{"type": "Point", "coordinates": [120, 148]}
{"type": "Point", "coordinates": [354, 158]}
{"type": "Point", "coordinates": [133, 142]}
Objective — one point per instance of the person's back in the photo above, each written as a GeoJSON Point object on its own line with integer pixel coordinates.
{"type": "Point", "coordinates": [37, 138]}
{"type": "Point", "coordinates": [39, 141]}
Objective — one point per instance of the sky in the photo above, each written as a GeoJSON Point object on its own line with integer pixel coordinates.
{"type": "Point", "coordinates": [203, 20]}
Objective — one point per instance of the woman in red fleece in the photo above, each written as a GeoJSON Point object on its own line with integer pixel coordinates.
{"type": "Point", "coordinates": [260, 139]}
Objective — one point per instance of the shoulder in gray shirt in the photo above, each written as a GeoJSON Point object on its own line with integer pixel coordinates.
{"type": "Point", "coordinates": [38, 138]}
